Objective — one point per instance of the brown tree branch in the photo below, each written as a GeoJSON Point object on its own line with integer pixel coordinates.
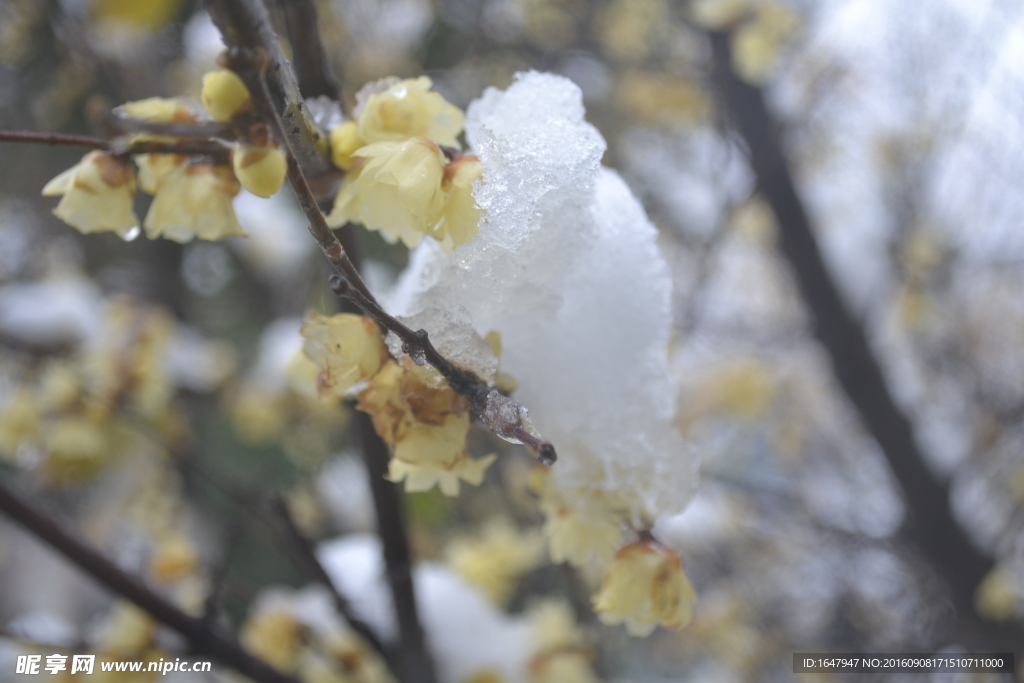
{"type": "Point", "coordinates": [203, 637]}
{"type": "Point", "coordinates": [210, 148]}
{"type": "Point", "coordinates": [311, 66]}
{"type": "Point", "coordinates": [417, 664]}
{"type": "Point", "coordinates": [246, 24]}
{"type": "Point", "coordinates": [53, 139]}
{"type": "Point", "coordinates": [930, 525]}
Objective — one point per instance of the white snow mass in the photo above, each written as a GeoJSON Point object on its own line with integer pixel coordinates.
{"type": "Point", "coordinates": [567, 269]}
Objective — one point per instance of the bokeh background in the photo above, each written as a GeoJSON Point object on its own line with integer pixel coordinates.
{"type": "Point", "coordinates": [902, 126]}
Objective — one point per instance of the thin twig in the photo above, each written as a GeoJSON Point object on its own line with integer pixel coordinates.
{"type": "Point", "coordinates": [204, 638]}
{"type": "Point", "coordinates": [219, 151]}
{"type": "Point", "coordinates": [316, 572]}
{"type": "Point", "coordinates": [203, 130]}
{"type": "Point", "coordinates": [53, 139]}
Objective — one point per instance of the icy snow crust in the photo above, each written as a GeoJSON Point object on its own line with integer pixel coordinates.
{"type": "Point", "coordinates": [567, 269]}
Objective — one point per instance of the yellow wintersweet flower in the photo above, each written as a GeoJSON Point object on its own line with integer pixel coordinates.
{"type": "Point", "coordinates": [717, 15]}
{"type": "Point", "coordinates": [756, 45]}
{"type": "Point", "coordinates": [153, 167]}
{"type": "Point", "coordinates": [147, 15]}
{"type": "Point", "coordinates": [345, 141]}
{"type": "Point", "coordinates": [408, 109]}
{"type": "Point", "coordinates": [396, 190]}
{"type": "Point", "coordinates": [407, 190]}
{"type": "Point", "coordinates": [997, 597]}
{"type": "Point", "coordinates": [78, 447]}
{"type": "Point", "coordinates": [494, 561]}
{"type": "Point", "coordinates": [274, 636]}
{"type": "Point", "coordinates": [126, 630]}
{"type": "Point", "coordinates": [561, 653]}
{"type": "Point", "coordinates": [224, 95]}
{"type": "Point", "coordinates": [260, 168]}
{"type": "Point", "coordinates": [645, 586]}
{"type": "Point", "coordinates": [97, 195]}
{"type": "Point", "coordinates": [415, 411]}
{"type": "Point", "coordinates": [174, 558]}
{"type": "Point", "coordinates": [194, 200]}
{"type": "Point", "coordinates": [429, 454]}
{"type": "Point", "coordinates": [576, 536]}
{"type": "Point", "coordinates": [460, 217]}
{"type": "Point", "coordinates": [347, 349]}
{"type": "Point", "coordinates": [19, 422]}
{"type": "Point", "coordinates": [401, 395]}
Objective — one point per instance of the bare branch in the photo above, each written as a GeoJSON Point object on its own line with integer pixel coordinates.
{"type": "Point", "coordinates": [417, 664]}
{"type": "Point", "coordinates": [316, 572]}
{"type": "Point", "coordinates": [931, 525]}
{"type": "Point", "coordinates": [218, 151]}
{"type": "Point", "coordinates": [203, 637]}
{"type": "Point", "coordinates": [53, 139]}
{"type": "Point", "coordinates": [311, 67]}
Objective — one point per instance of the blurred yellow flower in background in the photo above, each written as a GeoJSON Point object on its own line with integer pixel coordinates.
{"type": "Point", "coordinates": [275, 636]}
{"type": "Point", "coordinates": [496, 559]}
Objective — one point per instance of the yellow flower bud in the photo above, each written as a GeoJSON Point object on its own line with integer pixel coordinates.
{"type": "Point", "coordinates": [645, 586]}
{"type": "Point", "coordinates": [194, 200]}
{"type": "Point", "coordinates": [261, 170]}
{"type": "Point", "coordinates": [408, 109]}
{"type": "Point", "coordinates": [347, 349]}
{"type": "Point", "coordinates": [159, 110]}
{"type": "Point", "coordinates": [224, 95]}
{"type": "Point", "coordinates": [153, 167]}
{"type": "Point", "coordinates": [173, 558]}
{"type": "Point", "coordinates": [345, 141]}
{"type": "Point", "coordinates": [97, 195]}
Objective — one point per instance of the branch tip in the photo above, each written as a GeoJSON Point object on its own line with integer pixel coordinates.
{"type": "Point", "coordinates": [546, 454]}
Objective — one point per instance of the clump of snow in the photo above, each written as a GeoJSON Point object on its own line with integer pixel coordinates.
{"type": "Point", "coordinates": [465, 632]}
{"type": "Point", "coordinates": [344, 491]}
{"type": "Point", "coordinates": [278, 246]}
{"type": "Point", "coordinates": [54, 311]}
{"type": "Point", "coordinates": [279, 343]}
{"type": "Point", "coordinates": [567, 269]}
{"type": "Point", "coordinates": [197, 363]}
